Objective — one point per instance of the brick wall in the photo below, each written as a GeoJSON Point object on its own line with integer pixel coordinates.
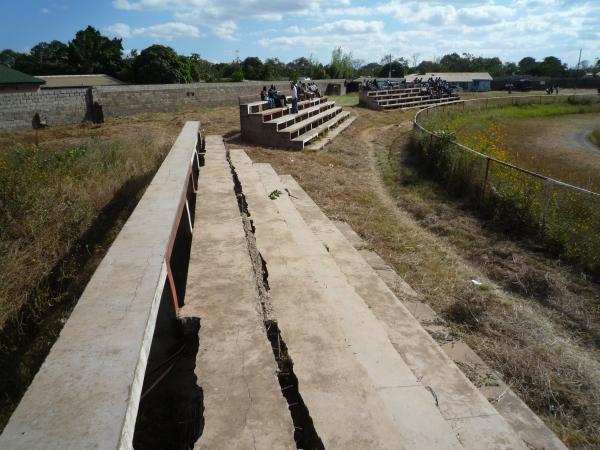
{"type": "Point", "coordinates": [67, 106]}
{"type": "Point", "coordinates": [56, 106]}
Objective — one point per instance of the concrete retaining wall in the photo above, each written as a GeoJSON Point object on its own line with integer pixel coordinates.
{"type": "Point", "coordinates": [56, 106]}
{"type": "Point", "coordinates": [69, 106]}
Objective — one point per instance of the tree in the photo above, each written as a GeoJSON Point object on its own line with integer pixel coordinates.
{"type": "Point", "coordinates": [398, 68]}
{"type": "Point", "coordinates": [341, 64]}
{"type": "Point", "coordinates": [528, 66]}
{"type": "Point", "coordinates": [273, 69]}
{"type": "Point", "coordinates": [157, 64]}
{"type": "Point", "coordinates": [551, 66]}
{"type": "Point", "coordinates": [370, 70]}
{"type": "Point", "coordinates": [252, 68]}
{"type": "Point", "coordinates": [52, 58]}
{"type": "Point", "coordinates": [90, 52]}
{"type": "Point", "coordinates": [8, 57]}
{"type": "Point", "coordinates": [428, 67]}
{"type": "Point", "coordinates": [301, 66]}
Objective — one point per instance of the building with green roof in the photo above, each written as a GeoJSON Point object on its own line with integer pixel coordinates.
{"type": "Point", "coordinates": [12, 80]}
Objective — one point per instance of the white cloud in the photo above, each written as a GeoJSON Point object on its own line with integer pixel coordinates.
{"type": "Point", "coordinates": [222, 16]}
{"type": "Point", "coordinates": [45, 11]}
{"type": "Point", "coordinates": [509, 29]}
{"type": "Point", "coordinates": [165, 31]}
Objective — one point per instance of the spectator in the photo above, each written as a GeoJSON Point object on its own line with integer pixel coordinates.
{"type": "Point", "coordinates": [294, 98]}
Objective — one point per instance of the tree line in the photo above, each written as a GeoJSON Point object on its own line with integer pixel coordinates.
{"type": "Point", "coordinates": [90, 52]}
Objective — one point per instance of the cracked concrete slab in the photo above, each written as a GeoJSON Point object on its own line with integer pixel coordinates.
{"type": "Point", "coordinates": [244, 406]}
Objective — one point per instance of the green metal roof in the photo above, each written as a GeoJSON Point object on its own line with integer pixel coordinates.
{"type": "Point", "coordinates": [11, 76]}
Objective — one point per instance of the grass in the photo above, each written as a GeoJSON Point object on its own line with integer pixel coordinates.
{"type": "Point", "coordinates": [566, 220]}
{"type": "Point", "coordinates": [345, 100]}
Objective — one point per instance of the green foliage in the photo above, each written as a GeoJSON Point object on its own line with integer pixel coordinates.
{"type": "Point", "coordinates": [275, 194]}
{"type": "Point", "coordinates": [238, 75]}
{"type": "Point", "coordinates": [90, 52]}
{"type": "Point", "coordinates": [253, 68]}
{"type": "Point", "coordinates": [341, 64]}
{"type": "Point", "coordinates": [158, 64]}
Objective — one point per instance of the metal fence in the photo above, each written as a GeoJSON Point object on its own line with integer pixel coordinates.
{"type": "Point", "coordinates": [566, 217]}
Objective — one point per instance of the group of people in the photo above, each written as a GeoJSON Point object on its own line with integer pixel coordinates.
{"type": "Point", "coordinates": [300, 90]}
{"type": "Point", "coordinates": [552, 89]}
{"type": "Point", "coordinates": [433, 87]}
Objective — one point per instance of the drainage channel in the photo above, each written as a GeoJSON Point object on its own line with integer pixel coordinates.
{"type": "Point", "coordinates": [171, 409]}
{"type": "Point", "coordinates": [305, 434]}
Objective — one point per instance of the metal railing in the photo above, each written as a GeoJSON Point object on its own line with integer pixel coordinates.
{"type": "Point", "coordinates": [564, 215]}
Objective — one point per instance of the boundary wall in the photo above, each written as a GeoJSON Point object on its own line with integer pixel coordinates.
{"type": "Point", "coordinates": [75, 105]}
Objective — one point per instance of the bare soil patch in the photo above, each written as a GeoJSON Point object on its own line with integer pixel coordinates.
{"type": "Point", "coordinates": [558, 147]}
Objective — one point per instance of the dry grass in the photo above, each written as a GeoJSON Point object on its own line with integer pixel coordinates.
{"type": "Point", "coordinates": [533, 320]}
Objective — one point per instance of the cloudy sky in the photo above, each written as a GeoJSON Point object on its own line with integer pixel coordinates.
{"type": "Point", "coordinates": [221, 29]}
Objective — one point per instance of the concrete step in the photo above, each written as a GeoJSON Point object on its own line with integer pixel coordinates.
{"type": "Point", "coordinates": [273, 113]}
{"type": "Point", "coordinates": [525, 422]}
{"type": "Point", "coordinates": [324, 127]}
{"type": "Point", "coordinates": [243, 404]}
{"type": "Point", "coordinates": [448, 100]}
{"type": "Point", "coordinates": [298, 128]}
{"type": "Point", "coordinates": [290, 119]}
{"type": "Point", "coordinates": [344, 405]}
{"type": "Point", "coordinates": [409, 404]}
{"type": "Point", "coordinates": [474, 420]}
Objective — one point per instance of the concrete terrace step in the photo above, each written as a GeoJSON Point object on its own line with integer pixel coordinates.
{"type": "Point", "coordinates": [425, 102]}
{"type": "Point", "coordinates": [324, 127]}
{"type": "Point", "coordinates": [270, 114]}
{"type": "Point", "coordinates": [280, 128]}
{"type": "Point", "coordinates": [296, 129]}
{"type": "Point", "coordinates": [415, 98]}
{"type": "Point", "coordinates": [290, 119]}
{"type": "Point", "coordinates": [408, 403]}
{"type": "Point", "coordinates": [525, 422]}
{"type": "Point", "coordinates": [344, 406]}
{"type": "Point", "coordinates": [243, 404]}
{"type": "Point", "coordinates": [469, 413]}
{"type": "Point", "coordinates": [392, 91]}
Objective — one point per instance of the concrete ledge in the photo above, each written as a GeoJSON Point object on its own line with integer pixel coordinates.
{"type": "Point", "coordinates": [87, 392]}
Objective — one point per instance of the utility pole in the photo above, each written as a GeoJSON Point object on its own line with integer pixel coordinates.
{"type": "Point", "coordinates": [578, 63]}
{"type": "Point", "coordinates": [390, 65]}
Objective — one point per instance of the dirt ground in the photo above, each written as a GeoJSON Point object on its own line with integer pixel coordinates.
{"type": "Point", "coordinates": [558, 147]}
{"type": "Point", "coordinates": [538, 320]}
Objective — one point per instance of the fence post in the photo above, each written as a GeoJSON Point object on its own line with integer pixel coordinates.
{"type": "Point", "coordinates": [485, 179]}
{"type": "Point", "coordinates": [547, 198]}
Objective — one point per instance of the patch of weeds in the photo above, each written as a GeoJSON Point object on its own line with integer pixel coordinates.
{"type": "Point", "coordinates": [275, 194]}
{"type": "Point", "coordinates": [468, 310]}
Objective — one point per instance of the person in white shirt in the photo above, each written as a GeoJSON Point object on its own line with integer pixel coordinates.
{"type": "Point", "coordinates": [294, 97]}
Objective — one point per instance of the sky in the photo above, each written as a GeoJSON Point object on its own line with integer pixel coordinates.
{"type": "Point", "coordinates": [221, 30]}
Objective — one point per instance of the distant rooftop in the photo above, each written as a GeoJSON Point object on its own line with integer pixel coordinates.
{"type": "Point", "coordinates": [11, 77]}
{"type": "Point", "coordinates": [452, 77]}
{"type": "Point", "coordinates": [63, 81]}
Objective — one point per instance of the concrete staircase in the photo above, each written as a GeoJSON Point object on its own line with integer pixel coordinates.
{"type": "Point", "coordinates": [267, 266]}
{"type": "Point", "coordinates": [401, 98]}
{"type": "Point", "coordinates": [279, 127]}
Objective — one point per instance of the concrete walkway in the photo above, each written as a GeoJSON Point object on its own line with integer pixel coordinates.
{"type": "Point", "coordinates": [244, 406]}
